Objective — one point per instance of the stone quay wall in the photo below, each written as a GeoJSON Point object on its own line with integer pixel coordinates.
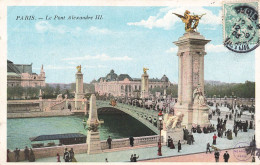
{"type": "Point", "coordinates": [51, 151]}
{"type": "Point", "coordinates": [13, 107]}
{"type": "Point", "coordinates": [39, 114]}
{"type": "Point", "coordinates": [82, 148]}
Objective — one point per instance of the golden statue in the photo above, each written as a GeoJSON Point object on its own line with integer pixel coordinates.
{"type": "Point", "coordinates": [190, 20]}
{"type": "Point", "coordinates": [145, 69]}
{"type": "Point", "coordinates": [79, 68]}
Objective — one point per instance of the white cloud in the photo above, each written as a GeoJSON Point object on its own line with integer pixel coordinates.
{"type": "Point", "coordinates": [72, 62]}
{"type": "Point", "coordinates": [172, 50]}
{"type": "Point", "coordinates": [96, 30]}
{"type": "Point", "coordinates": [166, 20]}
{"type": "Point", "coordinates": [102, 57]}
{"type": "Point", "coordinates": [45, 26]}
{"type": "Point", "coordinates": [215, 48]}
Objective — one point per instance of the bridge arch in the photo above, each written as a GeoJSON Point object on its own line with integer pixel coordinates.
{"type": "Point", "coordinates": [148, 117]}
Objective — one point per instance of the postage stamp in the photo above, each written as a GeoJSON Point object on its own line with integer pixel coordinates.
{"type": "Point", "coordinates": [241, 26]}
{"type": "Point", "coordinates": [127, 82]}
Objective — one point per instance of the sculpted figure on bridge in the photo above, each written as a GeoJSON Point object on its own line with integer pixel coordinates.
{"type": "Point", "coordinates": [79, 68]}
{"type": "Point", "coordinates": [198, 96]}
{"type": "Point", "coordinates": [93, 126]}
{"type": "Point", "coordinates": [191, 21]}
{"type": "Point", "coordinates": [174, 121]}
{"type": "Point", "coordinates": [145, 69]}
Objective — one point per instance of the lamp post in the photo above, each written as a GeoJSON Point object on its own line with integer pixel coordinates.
{"type": "Point", "coordinates": [232, 97]}
{"type": "Point", "coordinates": [235, 101]}
{"type": "Point", "coordinates": [160, 115]}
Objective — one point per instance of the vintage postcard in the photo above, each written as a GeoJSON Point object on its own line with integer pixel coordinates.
{"type": "Point", "coordinates": [118, 81]}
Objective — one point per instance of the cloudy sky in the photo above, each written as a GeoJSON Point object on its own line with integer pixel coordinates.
{"type": "Point", "coordinates": [126, 39]}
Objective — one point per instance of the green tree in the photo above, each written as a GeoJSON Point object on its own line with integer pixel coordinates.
{"type": "Point", "coordinates": [57, 89]}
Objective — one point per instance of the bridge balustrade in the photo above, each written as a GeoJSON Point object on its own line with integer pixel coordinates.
{"type": "Point", "coordinates": [125, 142]}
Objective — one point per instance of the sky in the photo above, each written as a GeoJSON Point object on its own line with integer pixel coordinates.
{"type": "Point", "coordinates": [126, 39]}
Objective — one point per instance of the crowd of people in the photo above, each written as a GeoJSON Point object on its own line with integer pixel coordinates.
{"type": "Point", "coordinates": [68, 156]}
{"type": "Point", "coordinates": [28, 155]}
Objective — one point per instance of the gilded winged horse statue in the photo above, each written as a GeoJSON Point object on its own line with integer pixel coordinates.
{"type": "Point", "coordinates": [189, 20]}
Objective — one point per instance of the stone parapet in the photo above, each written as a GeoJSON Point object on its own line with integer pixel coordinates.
{"type": "Point", "coordinates": [125, 142]}
{"type": "Point", "coordinates": [51, 151]}
{"type": "Point", "coordinates": [64, 112]}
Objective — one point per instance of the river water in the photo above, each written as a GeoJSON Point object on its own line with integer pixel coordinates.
{"type": "Point", "coordinates": [115, 125]}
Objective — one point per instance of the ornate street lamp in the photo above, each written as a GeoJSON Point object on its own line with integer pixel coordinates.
{"type": "Point", "coordinates": [160, 116]}
{"type": "Point", "coordinates": [232, 97]}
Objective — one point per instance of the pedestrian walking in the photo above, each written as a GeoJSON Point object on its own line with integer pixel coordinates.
{"type": "Point", "coordinates": [169, 141]}
{"type": "Point", "coordinates": [8, 159]}
{"type": "Point", "coordinates": [17, 154]}
{"type": "Point", "coordinates": [208, 148]}
{"type": "Point", "coordinates": [214, 139]}
{"type": "Point", "coordinates": [66, 155]}
{"type": "Point", "coordinates": [32, 156]}
{"type": "Point", "coordinates": [72, 157]}
{"type": "Point", "coordinates": [179, 146]}
{"type": "Point", "coordinates": [216, 156]}
{"type": "Point", "coordinates": [58, 157]}
{"type": "Point", "coordinates": [106, 160]}
{"type": "Point", "coordinates": [131, 158]}
{"type": "Point", "coordinates": [131, 139]}
{"type": "Point", "coordinates": [26, 153]}
{"type": "Point", "coordinates": [135, 158]}
{"type": "Point", "coordinates": [109, 141]}
{"type": "Point", "coordinates": [226, 156]}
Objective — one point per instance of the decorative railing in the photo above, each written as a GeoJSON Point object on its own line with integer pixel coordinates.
{"type": "Point", "coordinates": [125, 142]}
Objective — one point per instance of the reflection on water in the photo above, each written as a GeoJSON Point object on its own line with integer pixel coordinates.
{"type": "Point", "coordinates": [116, 125]}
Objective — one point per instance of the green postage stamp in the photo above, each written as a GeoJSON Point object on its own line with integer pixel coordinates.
{"type": "Point", "coordinates": [241, 26]}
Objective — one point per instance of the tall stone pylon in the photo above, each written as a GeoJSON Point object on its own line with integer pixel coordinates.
{"type": "Point", "coordinates": [93, 138]}
{"type": "Point", "coordinates": [144, 84]}
{"type": "Point", "coordinates": [79, 95]}
{"type": "Point", "coordinates": [191, 101]}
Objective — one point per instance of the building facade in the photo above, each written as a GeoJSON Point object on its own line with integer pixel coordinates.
{"type": "Point", "coordinates": [124, 86]}
{"type": "Point", "coordinates": [22, 75]}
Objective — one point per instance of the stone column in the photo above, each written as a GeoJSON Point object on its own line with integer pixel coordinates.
{"type": "Point", "coordinates": [40, 94]}
{"type": "Point", "coordinates": [79, 94]}
{"type": "Point", "coordinates": [180, 79]}
{"type": "Point", "coordinates": [144, 85]}
{"type": "Point", "coordinates": [93, 138]}
{"type": "Point", "coordinates": [191, 51]}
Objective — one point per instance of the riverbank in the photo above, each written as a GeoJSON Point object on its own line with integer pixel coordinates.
{"type": "Point", "coordinates": [65, 112]}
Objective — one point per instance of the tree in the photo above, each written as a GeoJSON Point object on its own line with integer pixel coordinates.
{"type": "Point", "coordinates": [57, 89]}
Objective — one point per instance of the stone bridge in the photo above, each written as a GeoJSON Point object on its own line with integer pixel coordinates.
{"type": "Point", "coordinates": [146, 116]}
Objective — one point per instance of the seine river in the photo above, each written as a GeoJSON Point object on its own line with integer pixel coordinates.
{"type": "Point", "coordinates": [115, 125]}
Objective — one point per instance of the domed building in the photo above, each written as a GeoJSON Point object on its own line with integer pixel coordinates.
{"type": "Point", "coordinates": [124, 85]}
{"type": "Point", "coordinates": [22, 75]}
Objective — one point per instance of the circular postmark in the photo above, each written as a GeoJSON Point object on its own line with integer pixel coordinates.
{"type": "Point", "coordinates": [241, 28]}
{"type": "Point", "coordinates": [240, 153]}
